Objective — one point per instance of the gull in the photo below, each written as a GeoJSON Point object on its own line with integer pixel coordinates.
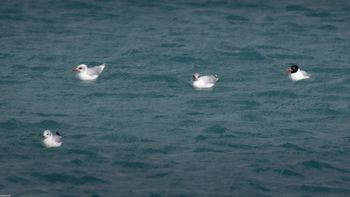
{"type": "Point", "coordinates": [296, 74]}
{"type": "Point", "coordinates": [51, 140]}
{"type": "Point", "coordinates": [204, 82]}
{"type": "Point", "coordinates": [88, 74]}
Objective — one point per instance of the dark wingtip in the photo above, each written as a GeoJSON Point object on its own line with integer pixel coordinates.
{"type": "Point", "coordinates": [57, 133]}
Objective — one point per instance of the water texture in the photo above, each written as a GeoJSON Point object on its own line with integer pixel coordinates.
{"type": "Point", "coordinates": [142, 130]}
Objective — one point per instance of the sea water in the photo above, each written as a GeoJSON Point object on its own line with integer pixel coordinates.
{"type": "Point", "coordinates": [141, 129]}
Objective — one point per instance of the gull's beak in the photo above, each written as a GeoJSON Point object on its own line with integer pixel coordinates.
{"type": "Point", "coordinates": [289, 70]}
{"type": "Point", "coordinates": [75, 70]}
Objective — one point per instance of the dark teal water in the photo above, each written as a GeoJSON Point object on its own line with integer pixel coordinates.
{"type": "Point", "coordinates": [142, 130]}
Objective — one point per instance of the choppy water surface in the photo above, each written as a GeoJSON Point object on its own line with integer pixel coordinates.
{"type": "Point", "coordinates": [142, 130]}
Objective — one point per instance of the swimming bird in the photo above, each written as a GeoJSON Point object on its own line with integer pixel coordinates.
{"type": "Point", "coordinates": [88, 74]}
{"type": "Point", "coordinates": [203, 82]}
{"type": "Point", "coordinates": [296, 74]}
{"type": "Point", "coordinates": [51, 140]}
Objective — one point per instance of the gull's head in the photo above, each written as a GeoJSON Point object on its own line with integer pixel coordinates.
{"type": "Point", "coordinates": [46, 134]}
{"type": "Point", "coordinates": [293, 69]}
{"type": "Point", "coordinates": [195, 77]}
{"type": "Point", "coordinates": [80, 68]}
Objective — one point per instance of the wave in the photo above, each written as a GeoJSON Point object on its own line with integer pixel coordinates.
{"type": "Point", "coordinates": [297, 8]}
{"type": "Point", "coordinates": [291, 146]}
{"type": "Point", "coordinates": [206, 150]}
{"type": "Point", "coordinates": [66, 178]}
{"type": "Point", "coordinates": [14, 124]}
{"type": "Point", "coordinates": [288, 173]}
{"type": "Point", "coordinates": [133, 164]}
{"type": "Point", "coordinates": [11, 124]}
{"type": "Point", "coordinates": [218, 129]}
{"type": "Point", "coordinates": [319, 14]}
{"type": "Point", "coordinates": [278, 93]}
{"type": "Point", "coordinates": [17, 180]}
{"type": "Point", "coordinates": [83, 5]}
{"type": "Point", "coordinates": [241, 53]}
{"type": "Point", "coordinates": [318, 165]}
{"type": "Point", "coordinates": [232, 17]}
{"type": "Point", "coordinates": [290, 57]}
{"type": "Point", "coordinates": [160, 175]}
{"type": "Point", "coordinates": [322, 189]}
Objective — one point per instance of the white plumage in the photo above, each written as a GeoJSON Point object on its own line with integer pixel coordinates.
{"type": "Point", "coordinates": [204, 82]}
{"type": "Point", "coordinates": [296, 74]}
{"type": "Point", "coordinates": [50, 140]}
{"type": "Point", "coordinates": [88, 74]}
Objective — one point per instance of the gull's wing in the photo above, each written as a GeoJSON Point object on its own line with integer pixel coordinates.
{"type": "Point", "coordinates": [209, 79]}
{"type": "Point", "coordinates": [97, 70]}
{"type": "Point", "coordinates": [305, 73]}
{"type": "Point", "coordinates": [57, 138]}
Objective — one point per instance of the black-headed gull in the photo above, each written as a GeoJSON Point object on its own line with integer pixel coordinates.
{"type": "Point", "coordinates": [88, 74]}
{"type": "Point", "coordinates": [50, 140]}
{"type": "Point", "coordinates": [296, 74]}
{"type": "Point", "coordinates": [203, 82]}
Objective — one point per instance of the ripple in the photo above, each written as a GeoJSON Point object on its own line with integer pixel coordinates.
{"type": "Point", "coordinates": [328, 27]}
{"type": "Point", "coordinates": [48, 124]}
{"type": "Point", "coordinates": [65, 178]}
{"type": "Point", "coordinates": [11, 124]}
{"type": "Point", "coordinates": [290, 57]}
{"type": "Point", "coordinates": [278, 93]}
{"type": "Point", "coordinates": [51, 114]}
{"type": "Point", "coordinates": [292, 147]}
{"type": "Point", "coordinates": [241, 54]}
{"type": "Point", "coordinates": [318, 188]}
{"type": "Point", "coordinates": [258, 186]}
{"type": "Point", "coordinates": [158, 78]}
{"type": "Point", "coordinates": [319, 14]}
{"type": "Point", "coordinates": [326, 109]}
{"type": "Point", "coordinates": [297, 8]}
{"type": "Point", "coordinates": [77, 162]}
{"type": "Point", "coordinates": [91, 179]}
{"type": "Point", "coordinates": [159, 175]}
{"type": "Point", "coordinates": [155, 194]}
{"type": "Point", "coordinates": [11, 81]}
{"type": "Point", "coordinates": [205, 150]}
{"type": "Point", "coordinates": [89, 154]}
{"type": "Point", "coordinates": [202, 100]}
{"type": "Point", "coordinates": [241, 146]}
{"type": "Point", "coordinates": [171, 45]}
{"type": "Point", "coordinates": [317, 165]}
{"type": "Point", "coordinates": [128, 95]}
{"type": "Point", "coordinates": [124, 138]}
{"type": "Point", "coordinates": [132, 52]}
{"type": "Point", "coordinates": [133, 164]}
{"type": "Point", "coordinates": [292, 132]}
{"type": "Point", "coordinates": [82, 5]}
{"type": "Point", "coordinates": [183, 59]}
{"type": "Point", "coordinates": [246, 104]}
{"type": "Point", "coordinates": [201, 137]}
{"type": "Point", "coordinates": [57, 178]}
{"type": "Point", "coordinates": [244, 5]}
{"type": "Point", "coordinates": [162, 150]}
{"type": "Point", "coordinates": [17, 179]}
{"type": "Point", "coordinates": [100, 95]}
{"type": "Point", "coordinates": [79, 136]}
{"type": "Point", "coordinates": [204, 4]}
{"type": "Point", "coordinates": [236, 18]}
{"type": "Point", "coordinates": [288, 172]}
{"type": "Point", "coordinates": [252, 117]}
{"type": "Point", "coordinates": [218, 129]}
